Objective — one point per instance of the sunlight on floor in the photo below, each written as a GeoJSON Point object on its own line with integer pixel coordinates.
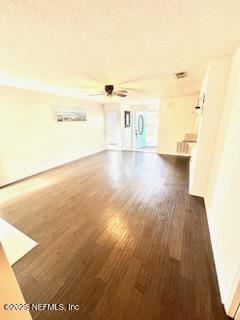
{"type": "Point", "coordinates": [15, 243]}
{"type": "Point", "coordinates": [117, 228]}
{"type": "Point", "coordinates": [24, 188]}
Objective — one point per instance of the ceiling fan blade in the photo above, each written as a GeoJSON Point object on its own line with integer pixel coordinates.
{"type": "Point", "coordinates": [122, 91]}
{"type": "Point", "coordinates": [119, 94]}
{"type": "Point", "coordinates": [97, 94]}
{"type": "Point", "coordinates": [135, 89]}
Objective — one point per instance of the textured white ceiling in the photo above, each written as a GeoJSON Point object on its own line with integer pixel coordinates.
{"type": "Point", "coordinates": [64, 44]}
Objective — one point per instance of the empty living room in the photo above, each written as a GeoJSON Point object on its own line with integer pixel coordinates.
{"type": "Point", "coordinates": [119, 160]}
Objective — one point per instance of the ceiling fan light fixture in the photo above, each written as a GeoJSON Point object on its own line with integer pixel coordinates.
{"type": "Point", "coordinates": [109, 92]}
{"type": "Point", "coordinates": [109, 89]}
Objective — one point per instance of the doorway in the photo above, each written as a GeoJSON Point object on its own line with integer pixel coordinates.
{"type": "Point", "coordinates": [145, 131]}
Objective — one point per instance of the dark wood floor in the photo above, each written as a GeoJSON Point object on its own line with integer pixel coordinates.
{"type": "Point", "coordinates": [119, 235]}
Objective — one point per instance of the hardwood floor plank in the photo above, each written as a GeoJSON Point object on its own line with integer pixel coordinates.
{"type": "Point", "coordinates": [119, 235]}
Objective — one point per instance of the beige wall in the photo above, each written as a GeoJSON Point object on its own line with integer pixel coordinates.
{"type": "Point", "coordinates": [222, 199]}
{"type": "Point", "coordinates": [32, 141]}
{"type": "Point", "coordinates": [218, 168]}
{"type": "Point", "coordinates": [214, 87]}
{"type": "Point", "coordinates": [176, 118]}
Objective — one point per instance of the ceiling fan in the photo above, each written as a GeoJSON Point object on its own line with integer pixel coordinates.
{"type": "Point", "coordinates": [109, 91]}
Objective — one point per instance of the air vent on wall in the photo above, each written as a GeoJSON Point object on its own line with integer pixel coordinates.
{"type": "Point", "coordinates": [181, 75]}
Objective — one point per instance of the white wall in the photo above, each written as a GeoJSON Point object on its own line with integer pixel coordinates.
{"type": "Point", "coordinates": [151, 124]}
{"type": "Point", "coordinates": [32, 141]}
{"type": "Point", "coordinates": [176, 118]}
{"type": "Point", "coordinates": [214, 89]}
{"type": "Point", "coordinates": [222, 199]}
{"type": "Point", "coordinates": [217, 170]}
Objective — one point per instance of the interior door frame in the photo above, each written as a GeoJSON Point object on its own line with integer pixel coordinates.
{"type": "Point", "coordinates": [134, 120]}
{"type": "Point", "coordinates": [135, 128]}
